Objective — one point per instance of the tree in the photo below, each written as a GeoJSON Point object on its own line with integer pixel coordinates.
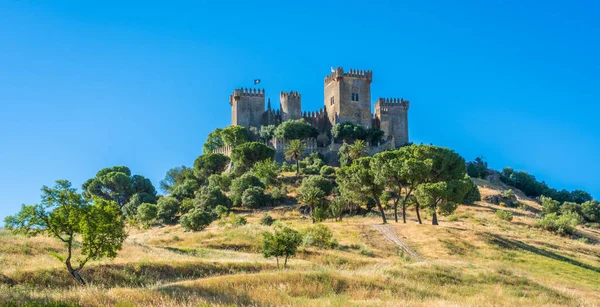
{"type": "Point", "coordinates": [591, 211]}
{"type": "Point", "coordinates": [235, 135]}
{"type": "Point", "coordinates": [187, 189]}
{"type": "Point", "coordinates": [214, 141]}
{"type": "Point", "coordinates": [266, 171]}
{"type": "Point", "coordinates": [442, 196]}
{"type": "Point", "coordinates": [312, 197]}
{"type": "Point", "coordinates": [473, 194]}
{"type": "Point", "coordinates": [344, 155]}
{"type": "Point", "coordinates": [254, 197]}
{"type": "Point", "coordinates": [246, 155]}
{"type": "Point", "coordinates": [580, 197]}
{"type": "Point", "coordinates": [319, 182]}
{"type": "Point", "coordinates": [130, 209]}
{"type": "Point", "coordinates": [358, 149]}
{"type": "Point", "coordinates": [167, 209]}
{"type": "Point", "coordinates": [239, 185]}
{"type": "Point", "coordinates": [477, 168]}
{"type": "Point", "coordinates": [549, 205]}
{"type": "Point", "coordinates": [294, 152]}
{"type": "Point", "coordinates": [348, 132]}
{"type": "Point", "coordinates": [196, 220]}
{"type": "Point", "coordinates": [116, 184]}
{"type": "Point", "coordinates": [283, 242]}
{"type": "Point", "coordinates": [267, 132]}
{"type": "Point", "coordinates": [176, 176]}
{"type": "Point", "coordinates": [209, 164]}
{"type": "Point", "coordinates": [360, 178]}
{"type": "Point", "coordinates": [147, 213]}
{"type": "Point", "coordinates": [66, 215]}
{"type": "Point", "coordinates": [295, 129]}
{"type": "Point", "coordinates": [209, 197]}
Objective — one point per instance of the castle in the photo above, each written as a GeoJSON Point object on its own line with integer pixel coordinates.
{"type": "Point", "coordinates": [347, 98]}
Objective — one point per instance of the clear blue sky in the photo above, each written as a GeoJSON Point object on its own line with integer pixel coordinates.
{"type": "Point", "coordinates": [85, 86]}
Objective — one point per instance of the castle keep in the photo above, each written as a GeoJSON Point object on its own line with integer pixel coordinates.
{"type": "Point", "coordinates": [347, 98]}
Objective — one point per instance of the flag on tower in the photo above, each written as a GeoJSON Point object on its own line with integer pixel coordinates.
{"type": "Point", "coordinates": [256, 81]}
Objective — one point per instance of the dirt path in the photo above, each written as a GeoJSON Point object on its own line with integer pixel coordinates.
{"type": "Point", "coordinates": [391, 236]}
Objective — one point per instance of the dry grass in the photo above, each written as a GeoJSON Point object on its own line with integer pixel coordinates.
{"type": "Point", "coordinates": [472, 259]}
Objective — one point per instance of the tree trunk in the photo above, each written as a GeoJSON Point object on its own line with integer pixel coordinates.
{"type": "Point", "coordinates": [396, 210]}
{"type": "Point", "coordinates": [434, 220]}
{"type": "Point", "coordinates": [312, 214]}
{"type": "Point", "coordinates": [380, 209]}
{"type": "Point", "coordinates": [297, 166]}
{"type": "Point", "coordinates": [418, 215]}
{"type": "Point", "coordinates": [404, 211]}
{"type": "Point", "coordinates": [73, 272]}
{"type": "Point", "coordinates": [277, 259]}
{"type": "Point", "coordinates": [285, 262]}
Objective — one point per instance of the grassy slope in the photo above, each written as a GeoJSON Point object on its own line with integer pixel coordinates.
{"type": "Point", "coordinates": [472, 258]}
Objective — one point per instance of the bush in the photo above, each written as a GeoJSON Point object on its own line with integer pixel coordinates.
{"type": "Point", "coordinates": [239, 185]}
{"type": "Point", "coordinates": [278, 194]}
{"type": "Point", "coordinates": [504, 215]}
{"type": "Point", "coordinates": [559, 224]}
{"type": "Point", "coordinates": [167, 208]}
{"type": "Point", "coordinates": [327, 170]}
{"type": "Point", "coordinates": [221, 211]}
{"type": "Point", "coordinates": [549, 205]}
{"type": "Point", "coordinates": [365, 251]}
{"type": "Point", "coordinates": [253, 197]}
{"type": "Point", "coordinates": [246, 155]}
{"type": "Point", "coordinates": [473, 195]}
{"type": "Point", "coordinates": [266, 220]}
{"type": "Point", "coordinates": [591, 211]}
{"type": "Point", "coordinates": [222, 181]}
{"type": "Point", "coordinates": [510, 194]}
{"type": "Point", "coordinates": [146, 213]}
{"type": "Point", "coordinates": [319, 236]}
{"type": "Point", "coordinates": [187, 204]}
{"type": "Point", "coordinates": [234, 220]}
{"type": "Point", "coordinates": [210, 197]}
{"type": "Point", "coordinates": [283, 242]}
{"type": "Point", "coordinates": [320, 182]}
{"type": "Point", "coordinates": [266, 171]}
{"type": "Point", "coordinates": [196, 220]}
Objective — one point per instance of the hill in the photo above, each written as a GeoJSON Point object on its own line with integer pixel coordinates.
{"type": "Point", "coordinates": [472, 258]}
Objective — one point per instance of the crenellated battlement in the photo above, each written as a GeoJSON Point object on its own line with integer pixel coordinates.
{"type": "Point", "coordinates": [355, 73]}
{"type": "Point", "coordinates": [339, 73]}
{"type": "Point", "coordinates": [248, 92]}
{"type": "Point", "coordinates": [289, 94]}
{"type": "Point", "coordinates": [391, 102]}
{"type": "Point", "coordinates": [314, 114]}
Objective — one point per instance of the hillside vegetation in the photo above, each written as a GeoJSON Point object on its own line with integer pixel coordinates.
{"type": "Point", "coordinates": [472, 258]}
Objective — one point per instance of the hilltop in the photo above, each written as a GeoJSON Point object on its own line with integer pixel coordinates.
{"type": "Point", "coordinates": [472, 258]}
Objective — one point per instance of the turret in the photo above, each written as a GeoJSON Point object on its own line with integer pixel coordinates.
{"type": "Point", "coordinates": [247, 107]}
{"type": "Point", "coordinates": [290, 104]}
{"type": "Point", "coordinates": [391, 115]}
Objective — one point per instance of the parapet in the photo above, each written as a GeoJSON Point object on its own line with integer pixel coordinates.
{"type": "Point", "coordinates": [248, 92]}
{"type": "Point", "coordinates": [289, 94]}
{"type": "Point", "coordinates": [385, 105]}
{"type": "Point", "coordinates": [339, 73]}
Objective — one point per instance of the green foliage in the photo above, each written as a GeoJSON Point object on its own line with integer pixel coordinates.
{"type": "Point", "coordinates": [385, 198]}
{"type": "Point", "coordinates": [349, 132]}
{"type": "Point", "coordinates": [266, 220]}
{"type": "Point", "coordinates": [221, 211]}
{"type": "Point", "coordinates": [209, 164]}
{"type": "Point", "coordinates": [66, 215]}
{"type": "Point", "coordinates": [344, 155]}
{"type": "Point", "coordinates": [477, 168]}
{"type": "Point", "coordinates": [254, 197]}
{"type": "Point", "coordinates": [580, 197]}
{"type": "Point", "coordinates": [240, 184]}
{"type": "Point", "coordinates": [147, 213]}
{"type": "Point", "coordinates": [358, 149]}
{"type": "Point", "coordinates": [591, 211]}
{"type": "Point", "coordinates": [570, 207]}
{"type": "Point", "coordinates": [196, 220]}
{"type": "Point", "coordinates": [442, 196]}
{"type": "Point", "coordinates": [222, 181]}
{"type": "Point", "coordinates": [267, 132]}
{"type": "Point", "coordinates": [559, 224]}
{"type": "Point", "coordinates": [278, 194]}
{"type": "Point", "coordinates": [337, 207]}
{"type": "Point", "coordinates": [473, 194]}
{"type": "Point", "coordinates": [504, 215]}
{"type": "Point", "coordinates": [327, 170]}
{"type": "Point", "coordinates": [295, 129]}
{"type": "Point", "coordinates": [266, 171]}
{"type": "Point", "coordinates": [214, 141]}
{"type": "Point", "coordinates": [176, 176]}
{"type": "Point", "coordinates": [209, 197]}
{"type": "Point", "coordinates": [235, 135]}
{"type": "Point", "coordinates": [549, 205]}
{"type": "Point", "coordinates": [510, 194]}
{"type": "Point", "coordinates": [320, 182]}
{"type": "Point", "coordinates": [312, 164]}
{"type": "Point", "coordinates": [130, 209]}
{"type": "Point", "coordinates": [234, 220]}
{"type": "Point", "coordinates": [294, 152]}
{"type": "Point", "coordinates": [167, 210]}
{"type": "Point", "coordinates": [312, 197]}
{"type": "Point", "coordinates": [319, 236]}
{"type": "Point", "coordinates": [187, 204]}
{"type": "Point", "coordinates": [186, 190]}
{"type": "Point", "coordinates": [246, 155]}
{"type": "Point", "coordinates": [321, 211]}
{"type": "Point", "coordinates": [283, 242]}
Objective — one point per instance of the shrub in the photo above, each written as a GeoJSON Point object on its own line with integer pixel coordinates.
{"type": "Point", "coordinates": [327, 170]}
{"type": "Point", "coordinates": [278, 194]}
{"type": "Point", "coordinates": [266, 220]}
{"type": "Point", "coordinates": [196, 220]}
{"type": "Point", "coordinates": [266, 171]}
{"type": "Point", "coordinates": [319, 236]}
{"type": "Point", "coordinates": [246, 155]}
{"type": "Point", "coordinates": [320, 182]}
{"type": "Point", "coordinates": [253, 197]}
{"type": "Point", "coordinates": [591, 211]}
{"type": "Point", "coordinates": [221, 211]}
{"type": "Point", "coordinates": [186, 205]}
{"type": "Point", "coordinates": [559, 224]}
{"type": "Point", "coordinates": [222, 181]}
{"type": "Point", "coordinates": [570, 207]}
{"type": "Point", "coordinates": [167, 208]}
{"type": "Point", "coordinates": [321, 211]}
{"type": "Point", "coordinates": [365, 251]}
{"type": "Point", "coordinates": [146, 213]}
{"type": "Point", "coordinates": [473, 195]}
{"type": "Point", "coordinates": [504, 215]}
{"type": "Point", "coordinates": [549, 205]}
{"type": "Point", "coordinates": [239, 185]}
{"type": "Point", "coordinates": [234, 220]}
{"type": "Point", "coordinates": [283, 242]}
{"type": "Point", "coordinates": [510, 194]}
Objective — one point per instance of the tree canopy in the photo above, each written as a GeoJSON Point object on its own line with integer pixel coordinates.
{"type": "Point", "coordinates": [295, 129]}
{"type": "Point", "coordinates": [245, 155]}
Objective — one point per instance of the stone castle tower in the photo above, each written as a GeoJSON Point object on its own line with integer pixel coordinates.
{"type": "Point", "coordinates": [347, 98]}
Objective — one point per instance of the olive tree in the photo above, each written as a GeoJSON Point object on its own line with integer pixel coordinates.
{"type": "Point", "coordinates": [283, 242]}
{"type": "Point", "coordinates": [95, 226]}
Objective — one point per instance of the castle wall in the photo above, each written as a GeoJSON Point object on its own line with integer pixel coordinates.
{"type": "Point", "coordinates": [345, 88]}
{"type": "Point", "coordinates": [290, 105]}
{"type": "Point", "coordinates": [247, 107]}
